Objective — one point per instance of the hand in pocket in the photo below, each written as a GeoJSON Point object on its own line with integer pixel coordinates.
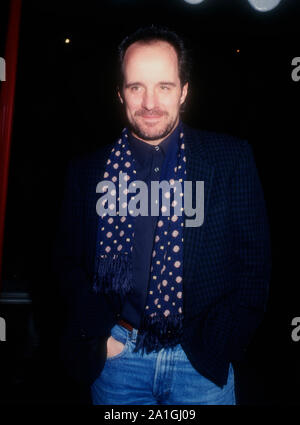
{"type": "Point", "coordinates": [114, 347]}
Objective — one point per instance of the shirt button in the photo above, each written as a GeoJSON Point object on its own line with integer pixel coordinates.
{"type": "Point", "coordinates": [157, 148]}
{"type": "Point", "coordinates": [156, 169]}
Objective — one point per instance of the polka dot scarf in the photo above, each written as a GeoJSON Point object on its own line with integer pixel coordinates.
{"type": "Point", "coordinates": [161, 324]}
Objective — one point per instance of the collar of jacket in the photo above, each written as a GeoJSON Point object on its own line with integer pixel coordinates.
{"type": "Point", "coordinates": [198, 168]}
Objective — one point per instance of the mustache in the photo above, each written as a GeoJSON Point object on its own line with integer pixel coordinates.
{"type": "Point", "coordinates": [154, 112]}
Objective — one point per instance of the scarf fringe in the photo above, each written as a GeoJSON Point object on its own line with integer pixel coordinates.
{"type": "Point", "coordinates": [158, 332]}
{"type": "Point", "coordinates": [114, 274]}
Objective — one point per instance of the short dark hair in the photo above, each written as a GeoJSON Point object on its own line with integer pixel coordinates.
{"type": "Point", "coordinates": [151, 34]}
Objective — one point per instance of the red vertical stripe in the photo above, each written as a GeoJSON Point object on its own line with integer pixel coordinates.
{"type": "Point", "coordinates": [7, 107]}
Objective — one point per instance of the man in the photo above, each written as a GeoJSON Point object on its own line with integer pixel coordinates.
{"type": "Point", "coordinates": [157, 309]}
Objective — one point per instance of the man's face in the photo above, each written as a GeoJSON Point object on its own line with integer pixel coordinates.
{"type": "Point", "coordinates": [152, 92]}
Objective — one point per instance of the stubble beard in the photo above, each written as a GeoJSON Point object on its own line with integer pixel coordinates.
{"type": "Point", "coordinates": [148, 136]}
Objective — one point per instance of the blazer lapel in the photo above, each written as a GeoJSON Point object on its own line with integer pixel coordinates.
{"type": "Point", "coordinates": [96, 167]}
{"type": "Point", "coordinates": [197, 169]}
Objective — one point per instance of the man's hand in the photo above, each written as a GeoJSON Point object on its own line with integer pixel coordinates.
{"type": "Point", "coordinates": [114, 347]}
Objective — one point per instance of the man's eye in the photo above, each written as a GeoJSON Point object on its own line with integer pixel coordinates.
{"type": "Point", "coordinates": [135, 88]}
{"type": "Point", "coordinates": [165, 88]}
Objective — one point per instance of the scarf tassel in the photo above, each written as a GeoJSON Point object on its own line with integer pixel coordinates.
{"type": "Point", "coordinates": [114, 274]}
{"type": "Point", "coordinates": [158, 332]}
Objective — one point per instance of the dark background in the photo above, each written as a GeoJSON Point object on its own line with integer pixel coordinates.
{"type": "Point", "coordinates": [66, 105]}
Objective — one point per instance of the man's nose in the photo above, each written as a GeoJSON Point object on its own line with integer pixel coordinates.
{"type": "Point", "coordinates": [149, 99]}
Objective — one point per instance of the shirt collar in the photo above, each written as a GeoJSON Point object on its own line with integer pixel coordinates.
{"type": "Point", "coordinates": [143, 151]}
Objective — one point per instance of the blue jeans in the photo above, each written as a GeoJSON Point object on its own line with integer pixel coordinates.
{"type": "Point", "coordinates": [163, 377]}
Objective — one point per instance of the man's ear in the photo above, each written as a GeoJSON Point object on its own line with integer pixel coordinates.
{"type": "Point", "coordinates": [184, 93]}
{"type": "Point", "coordinates": [119, 95]}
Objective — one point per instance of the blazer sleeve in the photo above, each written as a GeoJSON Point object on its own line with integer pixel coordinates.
{"type": "Point", "coordinates": [252, 251]}
{"type": "Point", "coordinates": [88, 318]}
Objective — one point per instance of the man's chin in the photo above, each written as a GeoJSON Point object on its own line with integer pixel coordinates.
{"type": "Point", "coordinates": [149, 136]}
{"type": "Point", "coordinates": [151, 132]}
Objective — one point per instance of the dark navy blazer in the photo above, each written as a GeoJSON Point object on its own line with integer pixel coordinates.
{"type": "Point", "coordinates": [226, 260]}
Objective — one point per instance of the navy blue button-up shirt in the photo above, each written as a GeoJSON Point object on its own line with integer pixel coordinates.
{"type": "Point", "coordinates": [150, 163]}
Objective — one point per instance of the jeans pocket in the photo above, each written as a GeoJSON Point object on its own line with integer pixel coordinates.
{"type": "Point", "coordinates": [117, 356]}
{"type": "Point", "coordinates": [121, 336]}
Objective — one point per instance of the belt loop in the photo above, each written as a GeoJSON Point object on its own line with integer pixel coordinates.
{"type": "Point", "coordinates": [131, 331]}
{"type": "Point", "coordinates": [133, 334]}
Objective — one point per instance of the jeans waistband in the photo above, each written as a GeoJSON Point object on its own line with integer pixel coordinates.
{"type": "Point", "coordinates": [130, 335]}
{"type": "Point", "coordinates": [127, 332]}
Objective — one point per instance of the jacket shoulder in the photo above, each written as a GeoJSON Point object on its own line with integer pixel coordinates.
{"type": "Point", "coordinates": [90, 160]}
{"type": "Point", "coordinates": [218, 147]}
{"type": "Point", "coordinates": [83, 169]}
